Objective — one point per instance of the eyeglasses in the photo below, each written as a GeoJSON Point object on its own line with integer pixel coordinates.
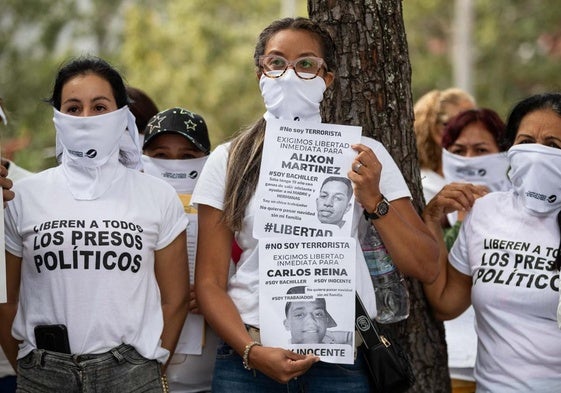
{"type": "Point", "coordinates": [306, 67]}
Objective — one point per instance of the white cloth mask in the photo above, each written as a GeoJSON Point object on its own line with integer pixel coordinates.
{"type": "Point", "coordinates": [181, 174]}
{"type": "Point", "coordinates": [535, 173]}
{"type": "Point", "coordinates": [130, 144]}
{"type": "Point", "coordinates": [90, 149]}
{"type": "Point", "coordinates": [292, 98]}
{"type": "Point", "coordinates": [489, 170]}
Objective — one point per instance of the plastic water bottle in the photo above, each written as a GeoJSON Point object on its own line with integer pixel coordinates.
{"type": "Point", "coordinates": [392, 296]}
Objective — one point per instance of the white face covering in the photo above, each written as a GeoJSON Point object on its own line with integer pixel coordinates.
{"type": "Point", "coordinates": [489, 170]}
{"type": "Point", "coordinates": [90, 141]}
{"type": "Point", "coordinates": [90, 149]}
{"type": "Point", "coordinates": [129, 143]}
{"type": "Point", "coordinates": [181, 174]}
{"type": "Point", "coordinates": [292, 98]}
{"type": "Point", "coordinates": [535, 173]}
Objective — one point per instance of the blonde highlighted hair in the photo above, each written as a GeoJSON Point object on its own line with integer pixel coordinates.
{"type": "Point", "coordinates": [431, 112]}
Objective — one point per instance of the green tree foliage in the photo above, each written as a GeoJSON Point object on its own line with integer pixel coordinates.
{"type": "Point", "coordinates": [36, 36]}
{"type": "Point", "coordinates": [198, 54]}
{"type": "Point", "coordinates": [28, 41]}
{"type": "Point", "coordinates": [517, 47]}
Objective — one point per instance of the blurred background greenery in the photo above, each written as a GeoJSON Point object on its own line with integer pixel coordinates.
{"type": "Point", "coordinates": [198, 54]}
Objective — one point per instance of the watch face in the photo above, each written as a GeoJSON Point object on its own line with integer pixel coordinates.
{"type": "Point", "coordinates": [382, 208]}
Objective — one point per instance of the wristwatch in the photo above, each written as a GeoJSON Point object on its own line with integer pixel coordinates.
{"type": "Point", "coordinates": [380, 210]}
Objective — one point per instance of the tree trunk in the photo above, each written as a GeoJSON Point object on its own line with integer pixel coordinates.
{"type": "Point", "coordinates": [373, 90]}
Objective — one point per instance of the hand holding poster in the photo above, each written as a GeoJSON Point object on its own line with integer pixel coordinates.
{"type": "Point", "coordinates": [307, 257]}
{"type": "Point", "coordinates": [306, 287]}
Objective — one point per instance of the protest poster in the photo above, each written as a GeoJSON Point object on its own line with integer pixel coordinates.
{"type": "Point", "coordinates": [303, 189]}
{"type": "Point", "coordinates": [192, 338]}
{"type": "Point", "coordinates": [307, 257]}
{"type": "Point", "coordinates": [307, 294]}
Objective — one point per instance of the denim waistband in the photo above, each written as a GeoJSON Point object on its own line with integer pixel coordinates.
{"type": "Point", "coordinates": [117, 353]}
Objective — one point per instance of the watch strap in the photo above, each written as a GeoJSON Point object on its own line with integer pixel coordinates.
{"type": "Point", "coordinates": [380, 210]}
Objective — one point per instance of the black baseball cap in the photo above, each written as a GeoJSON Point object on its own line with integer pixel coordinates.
{"type": "Point", "coordinates": [180, 121]}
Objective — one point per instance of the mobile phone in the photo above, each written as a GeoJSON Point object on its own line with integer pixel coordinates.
{"type": "Point", "coordinates": [52, 338]}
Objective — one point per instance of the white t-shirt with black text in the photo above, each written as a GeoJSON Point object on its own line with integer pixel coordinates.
{"type": "Point", "coordinates": [90, 264]}
{"type": "Point", "coordinates": [509, 252]}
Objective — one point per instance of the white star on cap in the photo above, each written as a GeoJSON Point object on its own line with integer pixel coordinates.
{"type": "Point", "coordinates": [185, 112]}
{"type": "Point", "coordinates": [190, 125]}
{"type": "Point", "coordinates": [153, 124]}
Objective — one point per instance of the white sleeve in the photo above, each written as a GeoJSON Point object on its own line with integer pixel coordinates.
{"type": "Point", "coordinates": [13, 239]}
{"type": "Point", "coordinates": [174, 220]}
{"type": "Point", "coordinates": [392, 183]}
{"type": "Point", "coordinates": [211, 185]}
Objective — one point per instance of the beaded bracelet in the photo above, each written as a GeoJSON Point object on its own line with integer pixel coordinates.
{"type": "Point", "coordinates": [245, 359]}
{"type": "Point", "coordinates": [165, 385]}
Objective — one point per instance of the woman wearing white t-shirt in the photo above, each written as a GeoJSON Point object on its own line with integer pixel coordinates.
{"type": "Point", "coordinates": [295, 64]}
{"type": "Point", "coordinates": [504, 261]}
{"type": "Point", "coordinates": [472, 145]}
{"type": "Point", "coordinates": [96, 247]}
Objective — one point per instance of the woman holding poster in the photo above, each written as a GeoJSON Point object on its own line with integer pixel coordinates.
{"type": "Point", "coordinates": [295, 60]}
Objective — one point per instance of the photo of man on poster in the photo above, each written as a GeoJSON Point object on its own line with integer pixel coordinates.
{"type": "Point", "coordinates": [334, 200]}
{"type": "Point", "coordinates": [309, 320]}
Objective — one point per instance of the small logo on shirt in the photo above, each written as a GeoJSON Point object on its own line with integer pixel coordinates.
{"type": "Point", "coordinates": [171, 175]}
{"type": "Point", "coordinates": [471, 172]}
{"type": "Point", "coordinates": [92, 153]}
{"type": "Point", "coordinates": [76, 153]}
{"type": "Point", "coordinates": [541, 197]}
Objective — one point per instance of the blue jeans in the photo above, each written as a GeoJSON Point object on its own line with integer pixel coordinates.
{"type": "Point", "coordinates": [231, 377]}
{"type": "Point", "coordinates": [8, 384]}
{"type": "Point", "coordinates": [121, 370]}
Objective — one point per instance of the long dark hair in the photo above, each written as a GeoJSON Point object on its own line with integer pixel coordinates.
{"type": "Point", "coordinates": [246, 149]}
{"type": "Point", "coordinates": [89, 65]}
{"type": "Point", "coordinates": [141, 106]}
{"type": "Point", "coordinates": [326, 42]}
{"type": "Point", "coordinates": [530, 104]}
